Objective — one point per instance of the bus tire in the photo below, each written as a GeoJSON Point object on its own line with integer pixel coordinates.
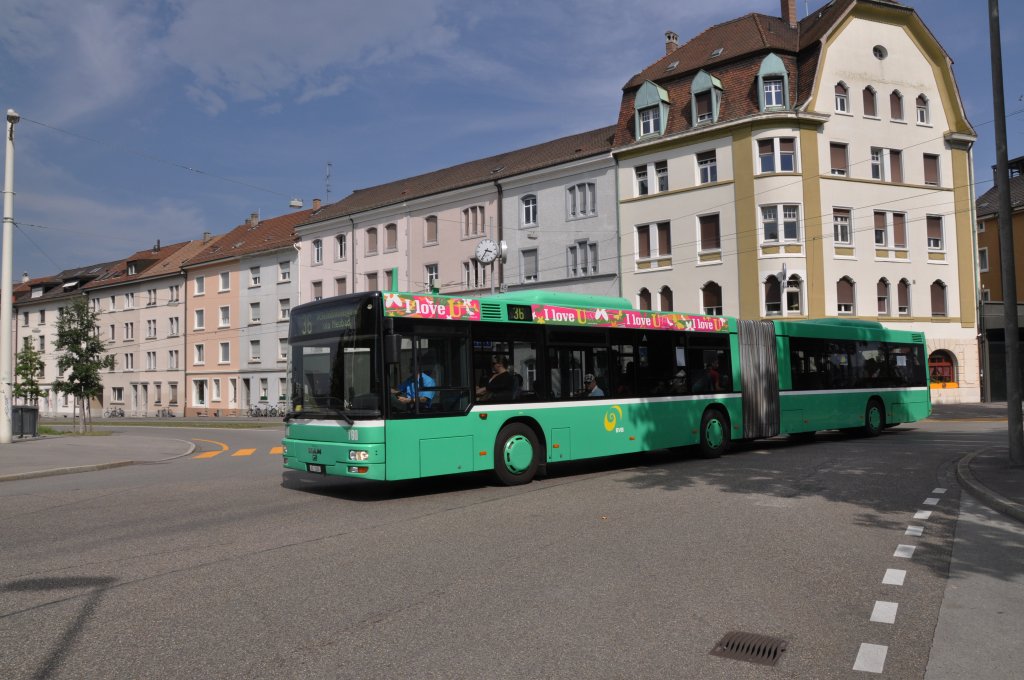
{"type": "Point", "coordinates": [874, 418]}
{"type": "Point", "coordinates": [516, 454]}
{"type": "Point", "coordinates": [714, 433]}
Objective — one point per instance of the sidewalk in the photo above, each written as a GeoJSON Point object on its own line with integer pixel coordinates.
{"type": "Point", "coordinates": [44, 456]}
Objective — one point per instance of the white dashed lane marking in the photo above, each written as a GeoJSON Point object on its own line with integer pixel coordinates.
{"type": "Point", "coordinates": [906, 551]}
{"type": "Point", "coordinates": [931, 501]}
{"type": "Point", "coordinates": [884, 612]}
{"type": "Point", "coordinates": [922, 514]}
{"type": "Point", "coordinates": [914, 530]}
{"type": "Point", "coordinates": [894, 577]}
{"type": "Point", "coordinates": [871, 658]}
{"type": "Point", "coordinates": [939, 490]}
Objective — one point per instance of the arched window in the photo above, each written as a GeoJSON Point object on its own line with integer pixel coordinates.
{"type": "Point", "coordinates": [318, 251]}
{"type": "Point", "coordinates": [896, 105]}
{"type": "Point", "coordinates": [870, 101]}
{"type": "Point", "coordinates": [644, 299]}
{"type": "Point", "coordinates": [431, 225]}
{"type": "Point", "coordinates": [941, 367]}
{"type": "Point", "coordinates": [845, 296]}
{"type": "Point", "coordinates": [772, 296]}
{"type": "Point", "coordinates": [371, 241]}
{"type": "Point", "coordinates": [938, 298]}
{"type": "Point", "coordinates": [651, 105]}
{"type": "Point", "coordinates": [922, 110]}
{"type": "Point", "coordinates": [903, 298]}
{"type": "Point", "coordinates": [711, 298]}
{"type": "Point", "coordinates": [773, 84]}
{"type": "Point", "coordinates": [842, 97]}
{"type": "Point", "coordinates": [794, 294]}
{"type": "Point", "coordinates": [665, 299]}
{"type": "Point", "coordinates": [391, 237]}
{"type": "Point", "coordinates": [883, 297]}
{"type": "Point", "coordinates": [706, 98]}
{"type": "Point", "coordinates": [529, 211]}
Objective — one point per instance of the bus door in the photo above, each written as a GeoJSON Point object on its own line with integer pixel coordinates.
{"type": "Point", "coordinates": [760, 375]}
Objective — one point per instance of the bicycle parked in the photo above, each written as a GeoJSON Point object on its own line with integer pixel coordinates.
{"type": "Point", "coordinates": [114, 412]}
{"type": "Point", "coordinates": [264, 411]}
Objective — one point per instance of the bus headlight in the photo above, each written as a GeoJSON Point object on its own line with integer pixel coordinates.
{"type": "Point", "coordinates": [359, 455]}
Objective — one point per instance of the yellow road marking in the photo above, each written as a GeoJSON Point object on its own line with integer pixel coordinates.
{"type": "Point", "coordinates": [244, 452]}
{"type": "Point", "coordinates": [278, 450]}
{"type": "Point", "coordinates": [211, 454]}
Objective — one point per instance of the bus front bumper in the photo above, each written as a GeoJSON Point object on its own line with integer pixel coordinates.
{"type": "Point", "coordinates": [340, 460]}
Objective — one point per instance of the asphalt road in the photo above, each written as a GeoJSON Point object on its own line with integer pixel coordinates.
{"type": "Point", "coordinates": [225, 566]}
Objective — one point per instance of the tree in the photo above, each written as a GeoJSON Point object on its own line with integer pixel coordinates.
{"type": "Point", "coordinates": [80, 355]}
{"type": "Point", "coordinates": [28, 369]}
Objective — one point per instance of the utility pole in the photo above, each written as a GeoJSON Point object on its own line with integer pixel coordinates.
{"type": "Point", "coordinates": [1009, 272]}
{"type": "Point", "coordinates": [6, 286]}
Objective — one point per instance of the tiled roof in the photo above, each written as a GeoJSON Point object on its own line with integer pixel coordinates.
{"type": "Point", "coordinates": [57, 284]}
{"type": "Point", "coordinates": [145, 260]}
{"type": "Point", "coordinates": [988, 203]}
{"type": "Point", "coordinates": [502, 166]}
{"type": "Point", "coordinates": [247, 239]}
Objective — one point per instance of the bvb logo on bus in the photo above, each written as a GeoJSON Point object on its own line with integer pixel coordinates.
{"type": "Point", "coordinates": [611, 419]}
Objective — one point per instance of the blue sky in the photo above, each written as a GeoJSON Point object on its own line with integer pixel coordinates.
{"type": "Point", "coordinates": [162, 119]}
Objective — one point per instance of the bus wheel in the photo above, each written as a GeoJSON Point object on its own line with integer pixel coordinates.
{"type": "Point", "coordinates": [516, 454]}
{"type": "Point", "coordinates": [714, 434]}
{"type": "Point", "coordinates": [874, 418]}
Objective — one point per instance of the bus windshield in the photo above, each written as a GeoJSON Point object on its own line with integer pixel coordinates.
{"type": "Point", "coordinates": [335, 350]}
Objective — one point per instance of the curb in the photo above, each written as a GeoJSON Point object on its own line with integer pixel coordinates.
{"type": "Point", "coordinates": [93, 468]}
{"type": "Point", "coordinates": [983, 493]}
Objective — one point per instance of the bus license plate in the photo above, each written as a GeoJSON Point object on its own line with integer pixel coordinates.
{"type": "Point", "coordinates": [319, 469]}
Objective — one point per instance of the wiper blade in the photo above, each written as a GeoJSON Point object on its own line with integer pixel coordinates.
{"type": "Point", "coordinates": [319, 412]}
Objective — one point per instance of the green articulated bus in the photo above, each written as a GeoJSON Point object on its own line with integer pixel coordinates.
{"type": "Point", "coordinates": [393, 385]}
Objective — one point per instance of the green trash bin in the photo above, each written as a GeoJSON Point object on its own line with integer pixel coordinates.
{"type": "Point", "coordinates": [25, 421]}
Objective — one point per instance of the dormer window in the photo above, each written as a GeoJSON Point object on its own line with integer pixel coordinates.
{"type": "Point", "coordinates": [706, 99]}
{"type": "Point", "coordinates": [131, 269]}
{"type": "Point", "coordinates": [651, 110]}
{"type": "Point", "coordinates": [773, 84]}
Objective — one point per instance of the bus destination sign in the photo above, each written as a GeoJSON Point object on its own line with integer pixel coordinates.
{"type": "Point", "coordinates": [431, 307]}
{"type": "Point", "coordinates": [628, 318]}
{"type": "Point", "coordinates": [324, 321]}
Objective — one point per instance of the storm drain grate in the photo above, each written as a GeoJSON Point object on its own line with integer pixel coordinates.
{"type": "Point", "coordinates": [750, 647]}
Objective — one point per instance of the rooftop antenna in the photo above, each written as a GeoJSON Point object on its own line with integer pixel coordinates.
{"type": "Point", "coordinates": [327, 183]}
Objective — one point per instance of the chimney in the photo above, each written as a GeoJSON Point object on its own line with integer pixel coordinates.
{"type": "Point", "coordinates": [254, 219]}
{"type": "Point", "coordinates": [24, 277]}
{"type": "Point", "coordinates": [206, 236]}
{"type": "Point", "coordinates": [789, 12]}
{"type": "Point", "coordinates": [316, 204]}
{"type": "Point", "coordinates": [672, 41]}
{"type": "Point", "coordinates": [156, 248]}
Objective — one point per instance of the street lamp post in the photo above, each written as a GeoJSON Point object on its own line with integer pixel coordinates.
{"type": "Point", "coordinates": [6, 286]}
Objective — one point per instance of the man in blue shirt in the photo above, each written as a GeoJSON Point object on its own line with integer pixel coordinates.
{"type": "Point", "coordinates": [407, 390]}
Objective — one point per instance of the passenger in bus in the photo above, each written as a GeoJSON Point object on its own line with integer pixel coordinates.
{"type": "Point", "coordinates": [408, 391]}
{"type": "Point", "coordinates": [590, 387]}
{"type": "Point", "coordinates": [714, 377]}
{"type": "Point", "coordinates": [500, 385]}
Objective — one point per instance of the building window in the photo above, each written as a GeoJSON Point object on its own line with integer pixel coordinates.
{"type": "Point", "coordinates": [528, 260]}
{"type": "Point", "coordinates": [650, 121]}
{"type": "Point", "coordinates": [390, 238]}
{"type": "Point", "coordinates": [199, 393]}
{"type": "Point", "coordinates": [938, 289]}
{"type": "Point", "coordinates": [264, 391]}
{"type": "Point", "coordinates": [653, 241]}
{"type": "Point", "coordinates": [773, 94]}
{"type": "Point", "coordinates": [389, 280]}
{"type": "Point", "coordinates": [432, 273]}
{"type": "Point", "coordinates": [200, 354]}
{"type": "Point", "coordinates": [642, 186]}
{"type": "Point", "coordinates": [643, 299]}
{"type": "Point", "coordinates": [702, 104]}
{"type": "Point", "coordinates": [773, 84]}
{"type": "Point", "coordinates": [983, 259]}
{"type": "Point", "coordinates": [473, 221]}
{"type": "Point", "coordinates": [200, 319]}
{"type": "Point", "coordinates": [665, 299]}
{"type": "Point", "coordinates": [224, 282]}
{"type": "Point", "coordinates": [794, 295]}
{"type": "Point", "coordinates": [931, 169]}
{"type": "Point", "coordinates": [903, 297]}
{"type": "Point", "coordinates": [285, 270]}
{"type": "Point", "coordinates": [842, 98]}
{"type": "Point", "coordinates": [174, 293]}
{"type": "Point", "coordinates": [876, 163]}
{"type": "Point", "coordinates": [582, 200]}
{"type": "Point", "coordinates": [581, 259]}
{"type": "Point", "coordinates": [151, 297]}
{"type": "Point", "coordinates": [225, 353]}
{"type": "Point", "coordinates": [117, 395]}
{"type": "Point", "coordinates": [896, 105]}
{"type": "Point", "coordinates": [341, 246]}
{"type": "Point", "coordinates": [340, 286]}
{"type": "Point", "coordinates": [318, 290]}
{"type": "Point", "coordinates": [845, 296]}
{"type": "Point", "coordinates": [941, 367]}
{"type": "Point", "coordinates": [651, 110]}
{"type": "Point", "coordinates": [129, 300]}
{"type": "Point", "coordinates": [777, 154]}
{"type": "Point", "coordinates": [706, 98]}
{"type": "Point", "coordinates": [318, 251]}
{"type": "Point", "coordinates": [870, 100]}
{"type": "Point", "coordinates": [282, 349]}
{"type": "Point", "coordinates": [772, 296]}
{"type": "Point", "coordinates": [173, 326]}
{"type": "Point", "coordinates": [151, 328]}
{"type": "Point", "coordinates": [840, 159]}
{"type": "Point", "coordinates": [935, 240]}
{"type": "Point", "coordinates": [254, 350]}
{"type": "Point", "coordinates": [371, 281]}
{"type": "Point", "coordinates": [215, 392]}
{"type": "Point", "coordinates": [284, 309]}
{"type": "Point", "coordinates": [224, 317]}
{"type": "Point", "coordinates": [254, 277]}
{"type": "Point", "coordinates": [841, 226]}
{"type": "Point", "coordinates": [895, 166]}
{"type": "Point", "coordinates": [711, 298]}
{"type": "Point", "coordinates": [254, 312]}
{"type": "Point", "coordinates": [922, 110]}
{"type": "Point", "coordinates": [891, 228]}
{"type": "Point", "coordinates": [661, 170]}
{"type": "Point", "coordinates": [129, 330]}
{"type": "Point", "coordinates": [172, 359]}
{"type": "Point", "coordinates": [474, 273]}
{"type": "Point", "coordinates": [371, 241]}
{"type": "Point", "coordinates": [430, 236]}
{"type": "Point", "coordinates": [883, 297]}
{"type": "Point", "coordinates": [710, 233]}
{"type": "Point", "coordinates": [707, 166]}
{"type": "Point", "coordinates": [790, 223]}
{"type": "Point", "coordinates": [529, 211]}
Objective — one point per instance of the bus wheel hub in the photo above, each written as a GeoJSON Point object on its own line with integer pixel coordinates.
{"type": "Point", "coordinates": [518, 454]}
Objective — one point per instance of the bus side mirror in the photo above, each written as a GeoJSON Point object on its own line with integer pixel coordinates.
{"type": "Point", "coordinates": [392, 348]}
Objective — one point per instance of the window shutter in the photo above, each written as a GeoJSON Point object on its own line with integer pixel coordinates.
{"type": "Point", "coordinates": [712, 295]}
{"type": "Point", "coordinates": [896, 105]}
{"type": "Point", "coordinates": [938, 299]}
{"type": "Point", "coordinates": [895, 166]}
{"type": "Point", "coordinates": [903, 294]}
{"type": "Point", "coordinates": [787, 145]}
{"type": "Point", "coordinates": [931, 169]}
{"type": "Point", "coordinates": [709, 233]}
{"type": "Point", "coordinates": [643, 241]}
{"type": "Point", "coordinates": [899, 230]}
{"type": "Point", "coordinates": [664, 239]}
{"type": "Point", "coordinates": [935, 228]}
{"type": "Point", "coordinates": [838, 152]}
{"type": "Point", "coordinates": [703, 104]}
{"type": "Point", "coordinates": [765, 147]}
{"type": "Point", "coordinates": [869, 102]}
{"type": "Point", "coordinates": [844, 292]}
